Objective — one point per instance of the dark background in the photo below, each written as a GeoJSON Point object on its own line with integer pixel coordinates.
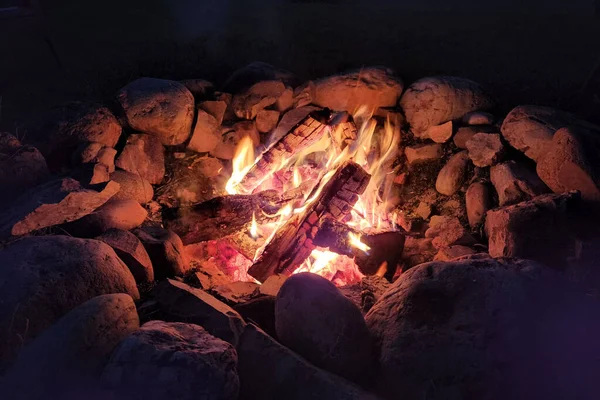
{"type": "Point", "coordinates": [525, 51]}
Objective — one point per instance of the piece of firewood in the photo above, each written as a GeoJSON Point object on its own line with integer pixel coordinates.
{"type": "Point", "coordinates": [293, 242]}
{"type": "Point", "coordinates": [306, 133]}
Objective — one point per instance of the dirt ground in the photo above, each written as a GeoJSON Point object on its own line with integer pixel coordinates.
{"type": "Point", "coordinates": [535, 56]}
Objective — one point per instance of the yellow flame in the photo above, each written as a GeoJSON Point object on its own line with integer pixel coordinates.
{"type": "Point", "coordinates": [354, 240]}
{"type": "Point", "coordinates": [242, 161]}
{"type": "Point", "coordinates": [254, 227]}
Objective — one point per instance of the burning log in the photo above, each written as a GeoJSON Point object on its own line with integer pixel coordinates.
{"type": "Point", "coordinates": [294, 241]}
{"type": "Point", "coordinates": [308, 132]}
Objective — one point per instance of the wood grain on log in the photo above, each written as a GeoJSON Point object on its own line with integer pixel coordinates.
{"type": "Point", "coordinates": [293, 242]}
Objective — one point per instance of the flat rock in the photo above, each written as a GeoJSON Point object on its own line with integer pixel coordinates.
{"type": "Point", "coordinates": [42, 278]}
{"type": "Point", "coordinates": [183, 303]}
{"type": "Point", "coordinates": [69, 356]}
{"type": "Point", "coordinates": [422, 154]}
{"type": "Point", "coordinates": [143, 155]}
{"type": "Point", "coordinates": [236, 292]}
{"type": "Point", "coordinates": [255, 72]}
{"type": "Point", "coordinates": [165, 360]}
{"type": "Point", "coordinates": [207, 133]}
{"type": "Point", "coordinates": [478, 118]}
{"type": "Point", "coordinates": [159, 107]}
{"type": "Point", "coordinates": [132, 187]}
{"type": "Point", "coordinates": [447, 231]}
{"type": "Point", "coordinates": [485, 149]}
{"type": "Point", "coordinates": [444, 326]}
{"type": "Point", "coordinates": [165, 249]}
{"type": "Point", "coordinates": [53, 203]}
{"type": "Point", "coordinates": [269, 370]}
{"type": "Point", "coordinates": [266, 120]}
{"type": "Point", "coordinates": [478, 201]}
{"type": "Point", "coordinates": [131, 251]}
{"type": "Point", "coordinates": [248, 103]}
{"type": "Point", "coordinates": [453, 175]}
{"type": "Point", "coordinates": [515, 182]}
{"type": "Point", "coordinates": [436, 100]}
{"type": "Point", "coordinates": [314, 319]}
{"type": "Point", "coordinates": [114, 214]}
{"type": "Point", "coordinates": [464, 133]}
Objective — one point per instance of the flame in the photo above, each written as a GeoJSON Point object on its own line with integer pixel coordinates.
{"type": "Point", "coordinates": [254, 227]}
{"type": "Point", "coordinates": [354, 240]}
{"type": "Point", "coordinates": [243, 159]}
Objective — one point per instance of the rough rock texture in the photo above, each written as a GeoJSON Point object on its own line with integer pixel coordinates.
{"type": "Point", "coordinates": [530, 128]}
{"type": "Point", "coordinates": [165, 249]}
{"type": "Point", "coordinates": [266, 120]}
{"type": "Point", "coordinates": [59, 132]}
{"type": "Point", "coordinates": [447, 231]}
{"type": "Point", "coordinates": [173, 361]}
{"type": "Point", "coordinates": [183, 303]}
{"type": "Point", "coordinates": [95, 153]}
{"type": "Point", "coordinates": [478, 329]}
{"type": "Point", "coordinates": [453, 252]}
{"type": "Point", "coordinates": [53, 203]}
{"type": "Point", "coordinates": [21, 168]}
{"type": "Point", "coordinates": [248, 103]}
{"type": "Point", "coordinates": [435, 100]}
{"type": "Point", "coordinates": [215, 108]}
{"type": "Point", "coordinates": [572, 162]}
{"type": "Point", "coordinates": [478, 201]}
{"type": "Point", "coordinates": [159, 107]}
{"type": "Point", "coordinates": [372, 87]}
{"type": "Point", "coordinates": [143, 155]}
{"type": "Point", "coordinates": [314, 319]}
{"type": "Point", "coordinates": [232, 136]}
{"type": "Point", "coordinates": [43, 278]}
{"type": "Point", "coordinates": [366, 292]}
{"type": "Point", "coordinates": [440, 133]}
{"type": "Point", "coordinates": [69, 356]}
{"type": "Point", "coordinates": [131, 251]}
{"type": "Point", "coordinates": [464, 133]}
{"type": "Point", "coordinates": [256, 72]}
{"type": "Point", "coordinates": [133, 187]}
{"type": "Point", "coordinates": [485, 149]}
{"type": "Point", "coordinates": [422, 154]}
{"type": "Point", "coordinates": [478, 118]}
{"type": "Point", "coordinates": [515, 182]}
{"type": "Point", "coordinates": [538, 229]}
{"type": "Point", "coordinates": [207, 133]}
{"type": "Point", "coordinates": [114, 214]}
{"type": "Point", "coordinates": [199, 88]}
{"type": "Point", "coordinates": [452, 176]}
{"type": "Point", "coordinates": [269, 370]}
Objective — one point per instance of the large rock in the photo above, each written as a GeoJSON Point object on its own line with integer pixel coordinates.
{"type": "Point", "coordinates": [479, 329]}
{"type": "Point", "coordinates": [478, 201]}
{"type": "Point", "coordinates": [43, 278]}
{"type": "Point", "coordinates": [159, 107]}
{"type": "Point", "coordinates": [266, 120]}
{"type": "Point", "coordinates": [313, 318]}
{"type": "Point", "coordinates": [133, 187]}
{"type": "Point", "coordinates": [371, 87]}
{"type": "Point", "coordinates": [515, 182]}
{"type": "Point", "coordinates": [435, 100]}
{"type": "Point", "coordinates": [53, 203]}
{"type": "Point", "coordinates": [214, 108]}
{"type": "Point", "coordinates": [21, 168]}
{"type": "Point", "coordinates": [143, 155]}
{"type": "Point", "coordinates": [538, 229]}
{"type": "Point", "coordinates": [453, 175]}
{"type": "Point", "coordinates": [183, 303]}
{"type": "Point", "coordinates": [485, 149]}
{"type": "Point", "coordinates": [207, 133]}
{"type": "Point", "coordinates": [530, 128]}
{"type": "Point", "coordinates": [69, 357]}
{"type": "Point", "coordinates": [61, 130]}
{"type": "Point", "coordinates": [165, 249]}
{"type": "Point", "coordinates": [248, 103]}
{"type": "Point", "coordinates": [256, 72]}
{"type": "Point", "coordinates": [173, 361]}
{"type": "Point", "coordinates": [269, 370]}
{"type": "Point", "coordinates": [114, 214]}
{"type": "Point", "coordinates": [572, 162]}
{"type": "Point", "coordinates": [129, 249]}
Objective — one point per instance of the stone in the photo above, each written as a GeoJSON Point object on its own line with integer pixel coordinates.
{"type": "Point", "coordinates": [443, 327]}
{"type": "Point", "coordinates": [365, 293]}
{"type": "Point", "coordinates": [182, 303]}
{"type": "Point", "coordinates": [21, 168]}
{"type": "Point", "coordinates": [215, 108]}
{"type": "Point", "coordinates": [539, 229]}
{"type": "Point", "coordinates": [53, 203]}
{"type": "Point", "coordinates": [423, 210]}
{"type": "Point", "coordinates": [95, 153]}
{"type": "Point", "coordinates": [165, 249]}
{"type": "Point", "coordinates": [291, 119]}
{"type": "Point", "coordinates": [133, 187]}
{"type": "Point", "coordinates": [282, 374]}
{"type": "Point", "coordinates": [453, 175]}
{"type": "Point", "coordinates": [114, 214]}
{"type": "Point", "coordinates": [259, 311]}
{"type": "Point", "coordinates": [236, 292]}
{"type": "Point", "coordinates": [448, 231]}
{"type": "Point", "coordinates": [478, 118]}
{"type": "Point", "coordinates": [530, 128]}
{"type": "Point", "coordinates": [266, 120]}
{"type": "Point", "coordinates": [485, 149]}
{"type": "Point", "coordinates": [158, 107]}
{"type": "Point", "coordinates": [69, 356]}
{"type": "Point", "coordinates": [314, 319]}
{"type": "Point", "coordinates": [248, 103]}
{"type": "Point", "coordinates": [207, 133]}
{"type": "Point", "coordinates": [464, 133]}
{"type": "Point", "coordinates": [131, 251]}
{"type": "Point", "coordinates": [90, 174]}
{"type": "Point", "coordinates": [436, 100]}
{"type": "Point", "coordinates": [165, 360]}
{"type": "Point", "coordinates": [440, 133]}
{"type": "Point", "coordinates": [207, 275]}
{"type": "Point", "coordinates": [515, 182]}
{"type": "Point", "coordinates": [417, 251]}
{"type": "Point", "coordinates": [60, 131]}
{"type": "Point", "coordinates": [478, 201]}
{"type": "Point", "coordinates": [452, 206]}
{"type": "Point", "coordinates": [257, 72]}
{"type": "Point", "coordinates": [572, 162]}
{"type": "Point", "coordinates": [453, 252]}
{"type": "Point", "coordinates": [43, 278]}
{"type": "Point", "coordinates": [143, 155]}
{"type": "Point", "coordinates": [285, 101]}
{"type": "Point", "coordinates": [208, 166]}
{"type": "Point", "coordinates": [272, 285]}
{"type": "Point", "coordinates": [199, 88]}
{"type": "Point", "coordinates": [422, 154]}
{"type": "Point", "coordinates": [232, 136]}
